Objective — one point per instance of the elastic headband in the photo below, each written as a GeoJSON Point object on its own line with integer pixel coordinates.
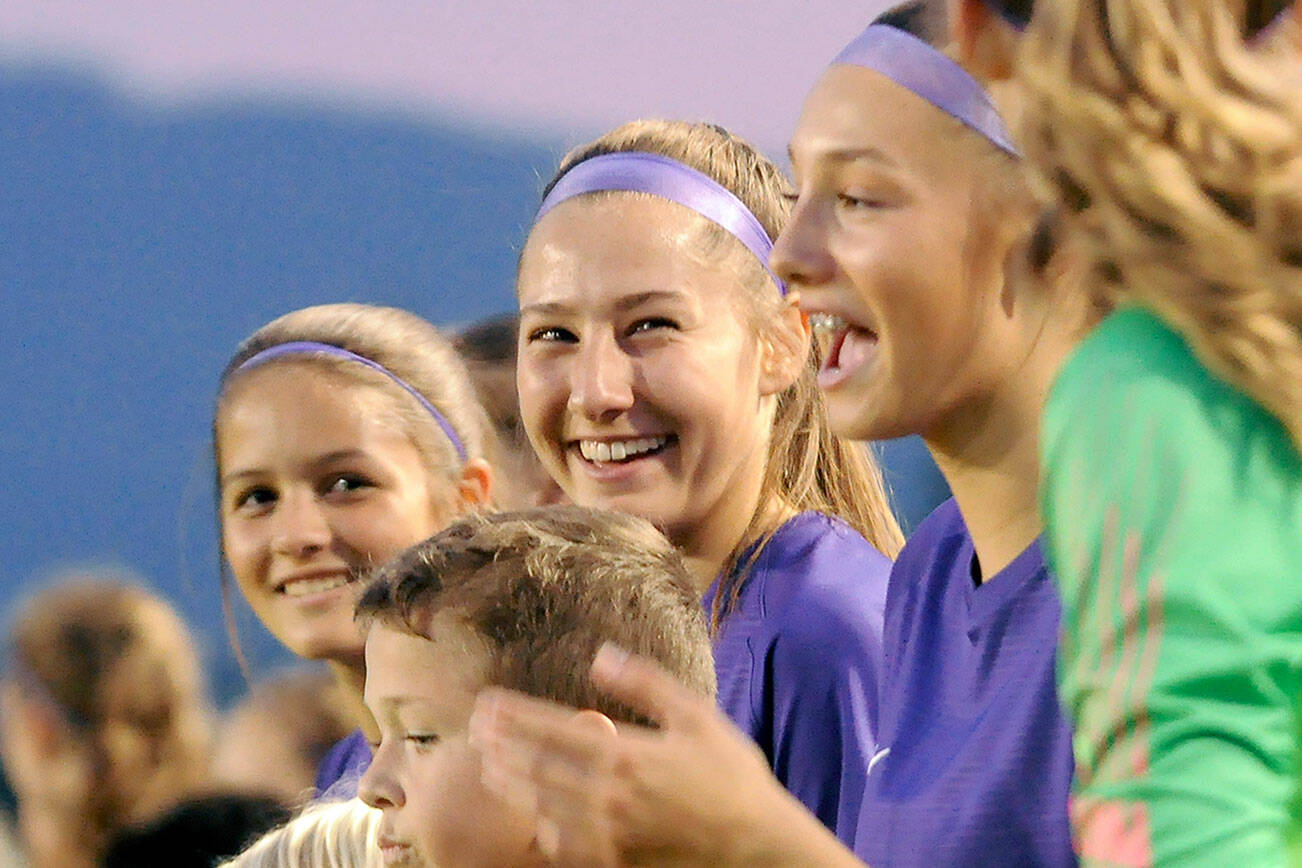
{"type": "Point", "coordinates": [916, 66]}
{"type": "Point", "coordinates": [313, 347]}
{"type": "Point", "coordinates": [640, 172]}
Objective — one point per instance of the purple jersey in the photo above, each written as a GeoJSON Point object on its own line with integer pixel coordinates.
{"type": "Point", "coordinates": [799, 659]}
{"type": "Point", "coordinates": [975, 761]}
{"type": "Point", "coordinates": [342, 767]}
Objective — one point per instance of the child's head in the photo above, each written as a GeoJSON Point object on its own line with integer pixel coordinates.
{"type": "Point", "coordinates": [519, 600]}
{"type": "Point", "coordinates": [104, 712]}
{"type": "Point", "coordinates": [344, 433]}
{"type": "Point", "coordinates": [324, 835]}
{"type": "Point", "coordinates": [1171, 132]}
{"type": "Point", "coordinates": [662, 371]}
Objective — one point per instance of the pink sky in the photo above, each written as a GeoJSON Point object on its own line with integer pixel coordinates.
{"type": "Point", "coordinates": [550, 66]}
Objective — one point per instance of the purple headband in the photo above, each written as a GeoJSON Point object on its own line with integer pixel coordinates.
{"type": "Point", "coordinates": [304, 347]}
{"type": "Point", "coordinates": [916, 66]}
{"type": "Point", "coordinates": [640, 172]}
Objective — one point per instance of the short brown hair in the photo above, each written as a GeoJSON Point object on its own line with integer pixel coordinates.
{"type": "Point", "coordinates": [545, 588]}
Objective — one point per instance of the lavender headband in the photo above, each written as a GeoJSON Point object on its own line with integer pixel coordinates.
{"type": "Point", "coordinates": [916, 66]}
{"type": "Point", "coordinates": [639, 172]}
{"type": "Point", "coordinates": [311, 347]}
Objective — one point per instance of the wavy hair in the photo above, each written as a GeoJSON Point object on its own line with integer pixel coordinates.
{"type": "Point", "coordinates": [1171, 131]}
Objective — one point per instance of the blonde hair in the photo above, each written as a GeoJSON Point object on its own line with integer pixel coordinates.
{"type": "Point", "coordinates": [401, 342]}
{"type": "Point", "coordinates": [808, 468]}
{"type": "Point", "coordinates": [120, 670]}
{"type": "Point", "coordinates": [404, 344]}
{"type": "Point", "coordinates": [325, 835]}
{"type": "Point", "coordinates": [1176, 150]}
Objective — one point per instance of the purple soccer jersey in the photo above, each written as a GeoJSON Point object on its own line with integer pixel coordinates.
{"type": "Point", "coordinates": [342, 767]}
{"type": "Point", "coordinates": [974, 764]}
{"type": "Point", "coordinates": [799, 659]}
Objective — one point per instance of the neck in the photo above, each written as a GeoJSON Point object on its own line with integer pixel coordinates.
{"type": "Point", "coordinates": [351, 678]}
{"type": "Point", "coordinates": [988, 452]}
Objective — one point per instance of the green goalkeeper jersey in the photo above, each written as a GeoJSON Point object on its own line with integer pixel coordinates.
{"type": "Point", "coordinates": [1173, 522]}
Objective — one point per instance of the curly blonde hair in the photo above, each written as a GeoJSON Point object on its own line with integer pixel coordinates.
{"type": "Point", "coordinates": [1175, 146]}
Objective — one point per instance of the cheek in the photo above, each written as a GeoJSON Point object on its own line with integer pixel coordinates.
{"type": "Point", "coordinates": [454, 821]}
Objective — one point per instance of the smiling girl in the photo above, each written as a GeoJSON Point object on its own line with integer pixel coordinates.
{"type": "Point", "coordinates": [344, 434]}
{"type": "Point", "coordinates": [663, 372]}
{"type": "Point", "coordinates": [912, 242]}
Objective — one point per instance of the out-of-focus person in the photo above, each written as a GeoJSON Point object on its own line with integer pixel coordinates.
{"type": "Point", "coordinates": [197, 832]}
{"type": "Point", "coordinates": [489, 348]}
{"type": "Point", "coordinates": [273, 741]}
{"type": "Point", "coordinates": [104, 716]}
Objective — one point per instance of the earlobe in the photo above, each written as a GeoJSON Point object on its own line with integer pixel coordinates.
{"type": "Point", "coordinates": [476, 484]}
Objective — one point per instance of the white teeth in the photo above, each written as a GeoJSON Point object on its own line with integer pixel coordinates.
{"type": "Point", "coordinates": [826, 322]}
{"type": "Point", "coordinates": [303, 587]}
{"type": "Point", "coordinates": [600, 451]}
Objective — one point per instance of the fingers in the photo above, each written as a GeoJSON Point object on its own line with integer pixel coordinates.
{"type": "Point", "coordinates": [647, 688]}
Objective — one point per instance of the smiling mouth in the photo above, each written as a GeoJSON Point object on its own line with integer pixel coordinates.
{"type": "Point", "coordinates": [601, 452]}
{"type": "Point", "coordinates": [848, 347]}
{"type": "Point", "coordinates": [313, 585]}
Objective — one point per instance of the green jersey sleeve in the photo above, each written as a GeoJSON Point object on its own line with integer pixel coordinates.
{"type": "Point", "coordinates": [1173, 522]}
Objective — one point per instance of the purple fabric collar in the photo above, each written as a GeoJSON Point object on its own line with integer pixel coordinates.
{"type": "Point", "coordinates": [315, 347]}
{"type": "Point", "coordinates": [640, 172]}
{"type": "Point", "coordinates": [916, 66]}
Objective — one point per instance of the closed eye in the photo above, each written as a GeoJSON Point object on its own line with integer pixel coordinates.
{"type": "Point", "coordinates": [423, 739]}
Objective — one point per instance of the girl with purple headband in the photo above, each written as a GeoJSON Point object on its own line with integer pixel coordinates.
{"type": "Point", "coordinates": [906, 245]}
{"type": "Point", "coordinates": [344, 433]}
{"type": "Point", "coordinates": [663, 372]}
{"type": "Point", "coordinates": [1172, 483]}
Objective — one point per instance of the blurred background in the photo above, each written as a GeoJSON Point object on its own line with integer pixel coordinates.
{"type": "Point", "coordinates": [173, 175]}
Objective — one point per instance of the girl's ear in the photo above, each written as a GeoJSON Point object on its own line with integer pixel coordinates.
{"type": "Point", "coordinates": [475, 487]}
{"type": "Point", "coordinates": [784, 349]}
{"type": "Point", "coordinates": [987, 44]}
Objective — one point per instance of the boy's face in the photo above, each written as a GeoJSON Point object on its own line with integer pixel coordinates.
{"type": "Point", "coordinates": [425, 777]}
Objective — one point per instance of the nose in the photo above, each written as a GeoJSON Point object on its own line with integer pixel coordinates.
{"type": "Point", "coordinates": [378, 787]}
{"type": "Point", "coordinates": [601, 379]}
{"type": "Point", "coordinates": [800, 255]}
{"type": "Point", "coordinates": [300, 528]}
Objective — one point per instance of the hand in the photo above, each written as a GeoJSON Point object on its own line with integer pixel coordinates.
{"type": "Point", "coordinates": [695, 791]}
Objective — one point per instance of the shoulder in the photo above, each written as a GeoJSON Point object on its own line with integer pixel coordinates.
{"type": "Point", "coordinates": [818, 577]}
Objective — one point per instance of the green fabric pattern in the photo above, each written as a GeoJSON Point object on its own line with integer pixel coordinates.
{"type": "Point", "coordinates": [1173, 523]}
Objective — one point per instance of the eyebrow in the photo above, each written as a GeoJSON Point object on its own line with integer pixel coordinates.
{"type": "Point", "coordinates": [627, 302]}
{"type": "Point", "coordinates": [320, 460]}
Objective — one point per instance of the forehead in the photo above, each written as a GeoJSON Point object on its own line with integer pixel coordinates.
{"type": "Point", "coordinates": [609, 245]}
{"type": "Point", "coordinates": [288, 401]}
{"type": "Point", "coordinates": [447, 669]}
{"type": "Point", "coordinates": [857, 111]}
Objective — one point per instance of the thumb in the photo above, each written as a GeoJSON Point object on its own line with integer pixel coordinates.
{"type": "Point", "coordinates": [646, 688]}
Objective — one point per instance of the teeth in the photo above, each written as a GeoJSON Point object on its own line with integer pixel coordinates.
{"type": "Point", "coordinates": [826, 322]}
{"type": "Point", "coordinates": [600, 451]}
{"type": "Point", "coordinates": [303, 587]}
